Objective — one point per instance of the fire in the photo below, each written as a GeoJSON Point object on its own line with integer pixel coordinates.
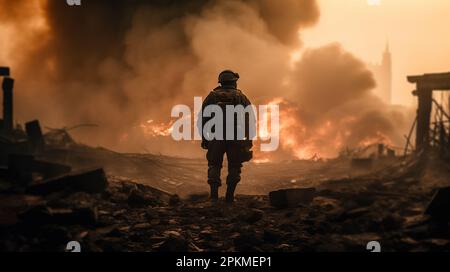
{"type": "Point", "coordinates": [297, 139]}
{"type": "Point", "coordinates": [150, 128]}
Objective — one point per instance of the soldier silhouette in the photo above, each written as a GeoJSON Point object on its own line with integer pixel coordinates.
{"type": "Point", "coordinates": [237, 150]}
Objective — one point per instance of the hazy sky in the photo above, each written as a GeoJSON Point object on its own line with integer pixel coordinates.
{"type": "Point", "coordinates": [417, 30]}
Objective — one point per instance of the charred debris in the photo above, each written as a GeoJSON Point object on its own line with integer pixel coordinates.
{"type": "Point", "coordinates": [46, 202]}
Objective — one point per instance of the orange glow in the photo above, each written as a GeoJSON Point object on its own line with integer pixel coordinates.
{"type": "Point", "coordinates": [150, 128]}
{"type": "Point", "coordinates": [415, 29]}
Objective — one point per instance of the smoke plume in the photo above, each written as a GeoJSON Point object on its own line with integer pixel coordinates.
{"type": "Point", "coordinates": [120, 64]}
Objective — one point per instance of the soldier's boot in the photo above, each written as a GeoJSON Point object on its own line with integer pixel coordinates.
{"type": "Point", "coordinates": [234, 176]}
{"type": "Point", "coordinates": [214, 181]}
{"type": "Point", "coordinates": [229, 196]}
{"type": "Point", "coordinates": [214, 195]}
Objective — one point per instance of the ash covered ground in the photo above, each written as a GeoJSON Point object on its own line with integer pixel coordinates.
{"type": "Point", "coordinates": [157, 203]}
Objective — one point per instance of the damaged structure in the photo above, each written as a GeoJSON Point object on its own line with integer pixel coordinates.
{"type": "Point", "coordinates": [431, 133]}
{"type": "Point", "coordinates": [28, 164]}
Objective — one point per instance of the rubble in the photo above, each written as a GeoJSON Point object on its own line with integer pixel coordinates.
{"type": "Point", "coordinates": [43, 215]}
{"type": "Point", "coordinates": [291, 197]}
{"type": "Point", "coordinates": [139, 199]}
{"type": "Point", "coordinates": [362, 163]}
{"type": "Point", "coordinates": [251, 216]}
{"type": "Point", "coordinates": [92, 181]}
{"type": "Point", "coordinates": [34, 134]}
{"type": "Point", "coordinates": [439, 207]}
{"type": "Point", "coordinates": [44, 203]}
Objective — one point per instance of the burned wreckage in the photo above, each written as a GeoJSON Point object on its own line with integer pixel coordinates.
{"type": "Point", "coordinates": [54, 190]}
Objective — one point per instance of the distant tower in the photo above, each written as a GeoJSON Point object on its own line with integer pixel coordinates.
{"type": "Point", "coordinates": [386, 69]}
{"type": "Point", "coordinates": [383, 76]}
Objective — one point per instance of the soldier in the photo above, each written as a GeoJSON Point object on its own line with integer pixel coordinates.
{"type": "Point", "coordinates": [237, 150]}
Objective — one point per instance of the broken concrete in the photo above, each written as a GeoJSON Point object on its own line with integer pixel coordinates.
{"type": "Point", "coordinates": [92, 181]}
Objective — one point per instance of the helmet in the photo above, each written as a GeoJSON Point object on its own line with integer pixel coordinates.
{"type": "Point", "coordinates": [227, 76]}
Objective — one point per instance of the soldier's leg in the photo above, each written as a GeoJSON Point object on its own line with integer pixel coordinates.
{"type": "Point", "coordinates": [234, 169]}
{"type": "Point", "coordinates": [215, 153]}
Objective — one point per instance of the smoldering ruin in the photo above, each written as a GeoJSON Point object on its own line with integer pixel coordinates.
{"type": "Point", "coordinates": [346, 173]}
{"type": "Point", "coordinates": [138, 59]}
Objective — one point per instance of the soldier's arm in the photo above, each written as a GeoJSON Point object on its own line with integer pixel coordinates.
{"type": "Point", "coordinates": [209, 100]}
{"type": "Point", "coordinates": [250, 125]}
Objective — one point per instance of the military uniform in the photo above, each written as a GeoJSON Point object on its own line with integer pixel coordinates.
{"type": "Point", "coordinates": [237, 151]}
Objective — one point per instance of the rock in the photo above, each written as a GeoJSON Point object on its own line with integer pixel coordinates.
{"type": "Point", "coordinates": [174, 242]}
{"type": "Point", "coordinates": [364, 199]}
{"type": "Point", "coordinates": [271, 236]}
{"type": "Point", "coordinates": [20, 168]}
{"type": "Point", "coordinates": [439, 207]}
{"type": "Point", "coordinates": [128, 187]}
{"type": "Point", "coordinates": [247, 241]}
{"type": "Point", "coordinates": [42, 215]}
{"type": "Point", "coordinates": [151, 214]}
{"type": "Point", "coordinates": [92, 181]}
{"type": "Point", "coordinates": [251, 216]}
{"type": "Point", "coordinates": [354, 213]}
{"type": "Point", "coordinates": [138, 199]}
{"type": "Point", "coordinates": [50, 169]}
{"type": "Point", "coordinates": [79, 216]}
{"type": "Point", "coordinates": [291, 197]}
{"type": "Point", "coordinates": [174, 200]}
{"type": "Point", "coordinates": [117, 232]}
{"type": "Point", "coordinates": [142, 226]}
{"type": "Point", "coordinates": [391, 222]}
{"type": "Point", "coordinates": [198, 197]}
{"type": "Point", "coordinates": [206, 234]}
{"type": "Point", "coordinates": [55, 235]}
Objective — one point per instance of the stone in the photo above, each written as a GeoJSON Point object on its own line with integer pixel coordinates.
{"type": "Point", "coordinates": [251, 216]}
{"type": "Point", "coordinates": [138, 199]}
{"type": "Point", "coordinates": [174, 200]}
{"type": "Point", "coordinates": [291, 197]}
{"type": "Point", "coordinates": [91, 181]}
{"type": "Point", "coordinates": [174, 242]}
{"type": "Point", "coordinates": [42, 215]}
{"type": "Point", "coordinates": [439, 206]}
{"type": "Point", "coordinates": [271, 236]}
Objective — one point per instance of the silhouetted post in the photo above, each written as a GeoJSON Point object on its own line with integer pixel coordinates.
{"type": "Point", "coordinates": [4, 71]}
{"type": "Point", "coordinates": [34, 133]}
{"type": "Point", "coordinates": [8, 85]}
{"type": "Point", "coordinates": [423, 118]}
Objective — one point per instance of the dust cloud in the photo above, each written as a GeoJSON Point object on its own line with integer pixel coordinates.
{"type": "Point", "coordinates": [119, 64]}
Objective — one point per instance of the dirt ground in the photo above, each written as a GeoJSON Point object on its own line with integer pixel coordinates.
{"type": "Point", "coordinates": [351, 207]}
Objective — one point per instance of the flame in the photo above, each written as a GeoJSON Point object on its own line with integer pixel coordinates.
{"type": "Point", "coordinates": [153, 129]}
{"type": "Point", "coordinates": [297, 140]}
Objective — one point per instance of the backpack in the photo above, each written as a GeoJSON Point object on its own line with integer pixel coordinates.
{"type": "Point", "coordinates": [224, 97]}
